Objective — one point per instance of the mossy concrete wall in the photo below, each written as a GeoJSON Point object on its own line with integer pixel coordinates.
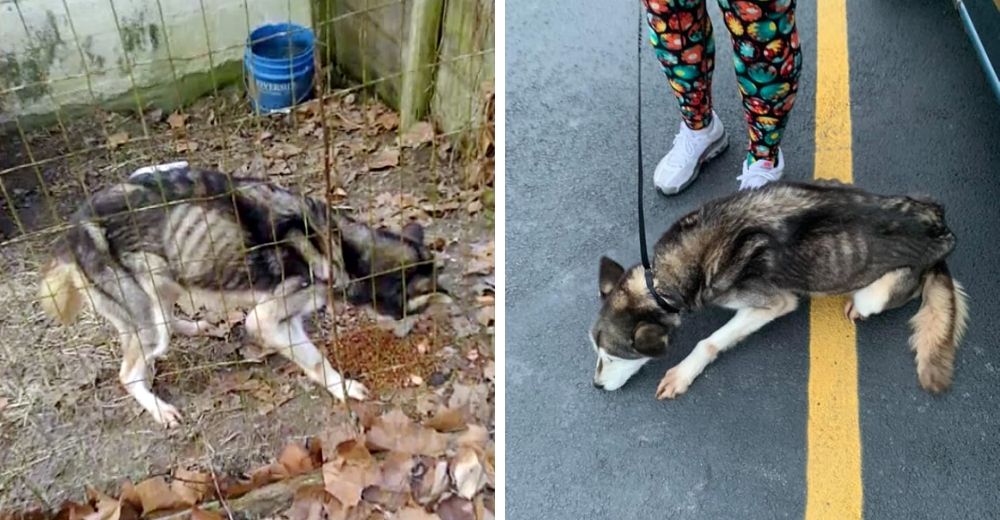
{"type": "Point", "coordinates": [420, 56]}
{"type": "Point", "coordinates": [124, 52]}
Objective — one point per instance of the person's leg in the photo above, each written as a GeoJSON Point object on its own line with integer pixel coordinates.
{"type": "Point", "coordinates": [767, 58]}
{"type": "Point", "coordinates": [681, 34]}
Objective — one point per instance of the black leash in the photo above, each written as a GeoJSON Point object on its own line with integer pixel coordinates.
{"type": "Point", "coordinates": [647, 267]}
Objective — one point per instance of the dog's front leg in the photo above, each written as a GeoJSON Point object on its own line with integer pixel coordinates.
{"type": "Point", "coordinates": [278, 325]}
{"type": "Point", "coordinates": [745, 322]}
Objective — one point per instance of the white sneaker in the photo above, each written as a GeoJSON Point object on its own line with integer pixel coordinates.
{"type": "Point", "coordinates": [691, 149]}
{"type": "Point", "coordinates": [760, 173]}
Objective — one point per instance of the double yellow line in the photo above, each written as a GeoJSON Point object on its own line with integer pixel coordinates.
{"type": "Point", "coordinates": [833, 463]}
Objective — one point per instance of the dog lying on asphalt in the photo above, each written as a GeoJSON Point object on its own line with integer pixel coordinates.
{"type": "Point", "coordinates": [757, 252]}
{"type": "Point", "coordinates": [176, 234]}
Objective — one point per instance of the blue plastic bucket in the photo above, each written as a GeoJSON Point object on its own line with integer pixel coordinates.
{"type": "Point", "coordinates": [279, 66]}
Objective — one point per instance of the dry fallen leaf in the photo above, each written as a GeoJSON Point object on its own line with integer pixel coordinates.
{"type": "Point", "coordinates": [387, 157]}
{"type": "Point", "coordinates": [395, 431]}
{"type": "Point", "coordinates": [186, 146]}
{"type": "Point", "coordinates": [416, 380]}
{"type": "Point", "coordinates": [105, 507]}
{"type": "Point", "coordinates": [388, 120]}
{"type": "Point", "coordinates": [428, 479]}
{"type": "Point", "coordinates": [489, 465]}
{"type": "Point", "coordinates": [306, 129]}
{"type": "Point", "coordinates": [296, 460]}
{"type": "Point", "coordinates": [475, 207]}
{"type": "Point", "coordinates": [475, 437]}
{"type": "Point", "coordinates": [177, 120]}
{"type": "Point", "coordinates": [4, 402]}
{"type": "Point", "coordinates": [155, 495]}
{"type": "Point", "coordinates": [395, 472]}
{"type": "Point", "coordinates": [200, 514]}
{"type": "Point", "coordinates": [74, 511]}
{"type": "Point", "coordinates": [463, 326]}
{"type": "Point", "coordinates": [257, 477]}
{"type": "Point", "coordinates": [191, 486]}
{"type": "Point", "coordinates": [350, 472]}
{"type": "Point", "coordinates": [314, 445]}
{"type": "Point", "coordinates": [485, 316]}
{"type": "Point", "coordinates": [308, 503]}
{"type": "Point", "coordinates": [421, 132]}
{"type": "Point", "coordinates": [456, 508]}
{"type": "Point", "coordinates": [334, 436]}
{"type": "Point", "coordinates": [482, 261]}
{"type": "Point", "coordinates": [391, 488]}
{"type": "Point", "coordinates": [448, 420]}
{"type": "Point", "coordinates": [118, 139]}
{"type": "Point", "coordinates": [385, 499]}
{"type": "Point", "coordinates": [128, 495]}
{"type": "Point", "coordinates": [467, 473]}
{"type": "Point", "coordinates": [415, 513]}
{"type": "Point", "coordinates": [283, 150]}
{"type": "Point", "coordinates": [345, 483]}
{"type": "Point", "coordinates": [279, 167]}
{"type": "Point", "coordinates": [155, 115]}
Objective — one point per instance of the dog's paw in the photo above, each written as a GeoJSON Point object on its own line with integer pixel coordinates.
{"type": "Point", "coordinates": [166, 414]}
{"type": "Point", "coordinates": [674, 383]}
{"type": "Point", "coordinates": [851, 313]}
{"type": "Point", "coordinates": [355, 390]}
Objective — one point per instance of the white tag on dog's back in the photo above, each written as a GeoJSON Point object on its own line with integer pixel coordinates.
{"type": "Point", "coordinates": [165, 167]}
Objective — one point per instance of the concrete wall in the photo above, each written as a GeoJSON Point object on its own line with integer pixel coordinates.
{"type": "Point", "coordinates": [418, 55]}
{"type": "Point", "coordinates": [46, 64]}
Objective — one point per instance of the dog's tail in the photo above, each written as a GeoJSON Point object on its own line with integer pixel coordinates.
{"type": "Point", "coordinates": [60, 290]}
{"type": "Point", "coordinates": [938, 327]}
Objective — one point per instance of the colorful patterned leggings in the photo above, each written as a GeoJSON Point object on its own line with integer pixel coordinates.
{"type": "Point", "coordinates": [765, 52]}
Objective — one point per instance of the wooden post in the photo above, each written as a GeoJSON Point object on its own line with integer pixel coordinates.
{"type": "Point", "coordinates": [465, 64]}
{"type": "Point", "coordinates": [419, 58]}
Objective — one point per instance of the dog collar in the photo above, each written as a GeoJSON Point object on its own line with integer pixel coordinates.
{"type": "Point", "coordinates": [656, 296]}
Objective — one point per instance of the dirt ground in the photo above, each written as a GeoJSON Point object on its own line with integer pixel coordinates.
{"type": "Point", "coordinates": [65, 421]}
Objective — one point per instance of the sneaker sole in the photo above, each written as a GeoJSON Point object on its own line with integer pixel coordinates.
{"type": "Point", "coordinates": [710, 153]}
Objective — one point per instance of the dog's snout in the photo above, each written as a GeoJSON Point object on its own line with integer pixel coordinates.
{"type": "Point", "coordinates": [598, 385]}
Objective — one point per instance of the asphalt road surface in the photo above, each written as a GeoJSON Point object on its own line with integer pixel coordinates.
{"type": "Point", "coordinates": [924, 120]}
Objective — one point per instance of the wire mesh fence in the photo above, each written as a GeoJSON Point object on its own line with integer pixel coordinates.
{"type": "Point", "coordinates": [144, 179]}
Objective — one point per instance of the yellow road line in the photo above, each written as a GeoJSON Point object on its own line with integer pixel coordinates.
{"type": "Point", "coordinates": [833, 464]}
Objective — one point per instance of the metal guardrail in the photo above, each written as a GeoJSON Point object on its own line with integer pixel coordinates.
{"type": "Point", "coordinates": [983, 21]}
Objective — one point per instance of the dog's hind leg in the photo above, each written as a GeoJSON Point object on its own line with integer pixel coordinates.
{"type": "Point", "coordinates": [135, 376]}
{"type": "Point", "coordinates": [143, 338]}
{"type": "Point", "coordinates": [746, 321]}
{"type": "Point", "coordinates": [277, 323]}
{"type": "Point", "coordinates": [891, 290]}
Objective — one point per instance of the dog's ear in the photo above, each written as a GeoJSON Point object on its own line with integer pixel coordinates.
{"type": "Point", "coordinates": [414, 231]}
{"type": "Point", "coordinates": [650, 339]}
{"type": "Point", "coordinates": [610, 273]}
